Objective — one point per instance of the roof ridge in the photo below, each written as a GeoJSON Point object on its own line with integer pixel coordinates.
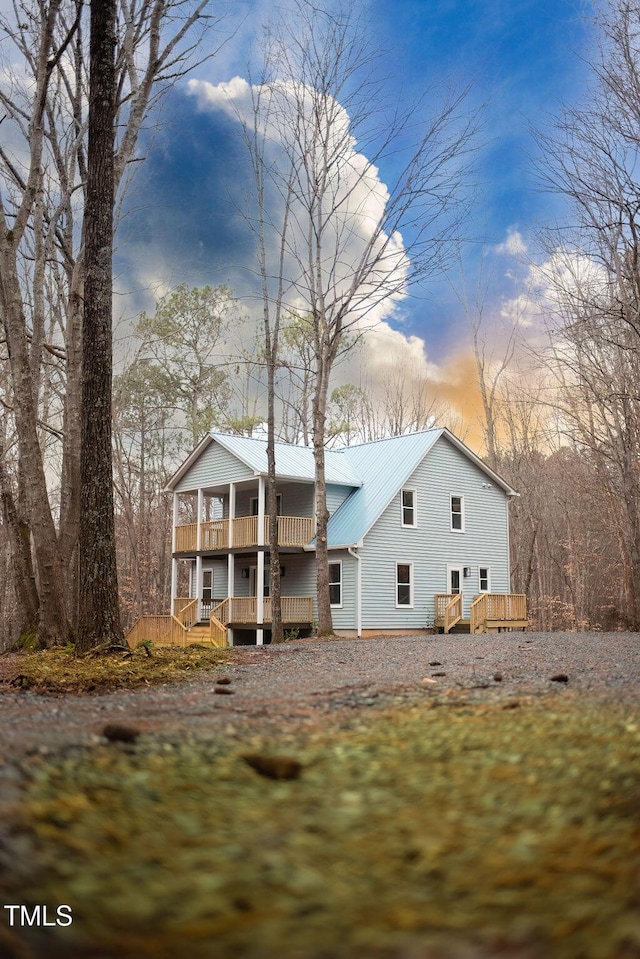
{"type": "Point", "coordinates": [385, 439]}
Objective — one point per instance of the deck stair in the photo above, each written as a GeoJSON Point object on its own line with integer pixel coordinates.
{"type": "Point", "coordinates": [462, 626]}
{"type": "Point", "coordinates": [489, 613]}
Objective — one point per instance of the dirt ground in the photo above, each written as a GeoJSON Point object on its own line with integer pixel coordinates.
{"type": "Point", "coordinates": [422, 797]}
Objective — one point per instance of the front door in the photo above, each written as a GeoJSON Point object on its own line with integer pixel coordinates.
{"type": "Point", "coordinates": [454, 577]}
{"type": "Point", "coordinates": [253, 577]}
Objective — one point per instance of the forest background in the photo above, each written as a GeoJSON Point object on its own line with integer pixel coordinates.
{"type": "Point", "coordinates": [540, 373]}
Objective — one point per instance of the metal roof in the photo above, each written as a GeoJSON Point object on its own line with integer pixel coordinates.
{"type": "Point", "coordinates": [383, 466]}
{"type": "Point", "coordinates": [292, 462]}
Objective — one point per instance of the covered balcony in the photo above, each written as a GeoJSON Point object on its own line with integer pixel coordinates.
{"type": "Point", "coordinates": [222, 534]}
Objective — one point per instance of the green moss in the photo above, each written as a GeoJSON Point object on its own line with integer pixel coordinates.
{"type": "Point", "coordinates": [60, 670]}
{"type": "Point", "coordinates": [428, 830]}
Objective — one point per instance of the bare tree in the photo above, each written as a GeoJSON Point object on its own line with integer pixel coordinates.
{"type": "Point", "coordinates": [99, 619]}
{"type": "Point", "coordinates": [347, 246]}
{"type": "Point", "coordinates": [594, 274]}
{"type": "Point", "coordinates": [43, 169]}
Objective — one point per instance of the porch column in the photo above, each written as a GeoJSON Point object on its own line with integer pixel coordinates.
{"type": "Point", "coordinates": [199, 517]}
{"type": "Point", "coordinates": [174, 584]}
{"type": "Point", "coordinates": [199, 584]}
{"type": "Point", "coordinates": [176, 503]}
{"type": "Point", "coordinates": [260, 598]}
{"type": "Point", "coordinates": [232, 515]}
{"type": "Point", "coordinates": [174, 561]}
{"type": "Point", "coordinates": [230, 582]}
{"type": "Point", "coordinates": [260, 511]}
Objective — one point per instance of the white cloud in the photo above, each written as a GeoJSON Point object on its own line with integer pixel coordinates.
{"type": "Point", "coordinates": [514, 245]}
{"type": "Point", "coordinates": [357, 198]}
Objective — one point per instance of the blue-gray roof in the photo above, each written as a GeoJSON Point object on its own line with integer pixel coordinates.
{"type": "Point", "coordinates": [292, 462]}
{"type": "Point", "coordinates": [383, 466]}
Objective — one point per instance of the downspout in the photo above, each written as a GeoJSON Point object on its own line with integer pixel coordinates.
{"type": "Point", "coordinates": [358, 558]}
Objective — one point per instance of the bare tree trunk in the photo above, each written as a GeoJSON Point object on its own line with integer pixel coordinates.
{"type": "Point", "coordinates": [19, 538]}
{"type": "Point", "coordinates": [53, 627]}
{"type": "Point", "coordinates": [325, 620]}
{"type": "Point", "coordinates": [99, 614]}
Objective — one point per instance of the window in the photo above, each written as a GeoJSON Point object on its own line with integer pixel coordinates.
{"type": "Point", "coordinates": [254, 504]}
{"type": "Point", "coordinates": [484, 579]}
{"type": "Point", "coordinates": [207, 585]}
{"type": "Point", "coordinates": [404, 584]}
{"type": "Point", "coordinates": [408, 499]}
{"type": "Point", "coordinates": [457, 514]}
{"type": "Point", "coordinates": [335, 584]}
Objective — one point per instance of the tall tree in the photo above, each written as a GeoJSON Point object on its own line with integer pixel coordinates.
{"type": "Point", "coordinates": [99, 619]}
{"type": "Point", "coordinates": [43, 170]}
{"type": "Point", "coordinates": [344, 247]}
{"type": "Point", "coordinates": [593, 271]}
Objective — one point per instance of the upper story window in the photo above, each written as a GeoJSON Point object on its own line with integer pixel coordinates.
{"type": "Point", "coordinates": [409, 514]}
{"type": "Point", "coordinates": [484, 579]}
{"type": "Point", "coordinates": [457, 514]}
{"type": "Point", "coordinates": [335, 584]}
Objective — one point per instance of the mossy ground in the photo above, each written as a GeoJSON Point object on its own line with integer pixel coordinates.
{"type": "Point", "coordinates": [442, 829]}
{"type": "Point", "coordinates": [60, 670]}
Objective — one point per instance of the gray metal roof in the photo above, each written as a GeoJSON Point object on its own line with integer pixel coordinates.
{"type": "Point", "coordinates": [292, 462]}
{"type": "Point", "coordinates": [383, 466]}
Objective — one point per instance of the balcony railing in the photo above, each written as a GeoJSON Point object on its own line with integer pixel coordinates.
{"type": "Point", "coordinates": [244, 609]}
{"type": "Point", "coordinates": [292, 531]}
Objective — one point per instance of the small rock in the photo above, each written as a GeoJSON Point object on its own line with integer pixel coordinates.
{"type": "Point", "coordinates": [435, 664]}
{"type": "Point", "coordinates": [514, 704]}
{"type": "Point", "coordinates": [223, 680]}
{"type": "Point", "coordinates": [438, 674]}
{"type": "Point", "coordinates": [119, 733]}
{"type": "Point", "coordinates": [274, 767]}
{"type": "Point", "coordinates": [560, 678]}
{"type": "Point", "coordinates": [223, 691]}
{"type": "Point", "coordinates": [497, 677]}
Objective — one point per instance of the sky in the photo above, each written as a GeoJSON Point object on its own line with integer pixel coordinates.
{"type": "Point", "coordinates": [524, 60]}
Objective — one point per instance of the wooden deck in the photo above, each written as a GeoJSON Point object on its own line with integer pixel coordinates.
{"type": "Point", "coordinates": [182, 629]}
{"type": "Point", "coordinates": [489, 612]}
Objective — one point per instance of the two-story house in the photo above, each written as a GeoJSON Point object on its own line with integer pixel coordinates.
{"type": "Point", "coordinates": [418, 536]}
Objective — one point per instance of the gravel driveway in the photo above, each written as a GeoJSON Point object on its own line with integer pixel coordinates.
{"type": "Point", "coordinates": [306, 681]}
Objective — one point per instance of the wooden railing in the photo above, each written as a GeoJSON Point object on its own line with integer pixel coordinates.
{"type": "Point", "coordinates": [295, 609]}
{"type": "Point", "coordinates": [214, 535]}
{"type": "Point", "coordinates": [244, 609]}
{"type": "Point", "coordinates": [188, 615]}
{"type": "Point", "coordinates": [186, 537]}
{"type": "Point", "coordinates": [159, 630]}
{"type": "Point", "coordinates": [217, 632]}
{"type": "Point", "coordinates": [292, 531]}
{"type": "Point", "coordinates": [154, 629]}
{"type": "Point", "coordinates": [497, 610]}
{"type": "Point", "coordinates": [453, 612]}
{"type": "Point", "coordinates": [440, 602]}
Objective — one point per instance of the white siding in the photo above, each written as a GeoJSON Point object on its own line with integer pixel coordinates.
{"type": "Point", "coordinates": [432, 546]}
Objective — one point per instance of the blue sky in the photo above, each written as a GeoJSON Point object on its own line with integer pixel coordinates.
{"type": "Point", "coordinates": [524, 59]}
